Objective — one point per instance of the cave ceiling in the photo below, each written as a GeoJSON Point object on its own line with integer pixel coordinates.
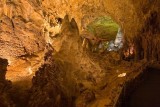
{"type": "Point", "coordinates": [22, 21]}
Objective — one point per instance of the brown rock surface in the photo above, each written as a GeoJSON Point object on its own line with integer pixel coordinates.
{"type": "Point", "coordinates": [20, 28]}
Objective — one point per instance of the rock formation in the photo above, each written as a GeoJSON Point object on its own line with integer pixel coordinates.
{"type": "Point", "coordinates": [61, 74]}
{"type": "Point", "coordinates": [5, 85]}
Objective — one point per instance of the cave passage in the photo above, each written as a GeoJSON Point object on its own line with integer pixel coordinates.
{"type": "Point", "coordinates": [108, 32]}
{"type": "Point", "coordinates": [148, 93]}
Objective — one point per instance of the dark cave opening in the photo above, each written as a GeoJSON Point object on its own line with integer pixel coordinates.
{"type": "Point", "coordinates": [143, 92]}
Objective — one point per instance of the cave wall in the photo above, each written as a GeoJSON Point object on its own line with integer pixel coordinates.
{"type": "Point", "coordinates": [140, 23]}
{"type": "Point", "coordinates": [148, 37]}
{"type": "Point", "coordinates": [20, 28]}
{"type": "Point", "coordinates": [146, 41]}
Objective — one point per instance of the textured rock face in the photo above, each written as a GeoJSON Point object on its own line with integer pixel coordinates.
{"type": "Point", "coordinates": [83, 11]}
{"type": "Point", "coordinates": [20, 28]}
{"type": "Point", "coordinates": [131, 15]}
{"type": "Point", "coordinates": [19, 38]}
{"type": "Point", "coordinates": [50, 86]}
{"type": "Point", "coordinates": [146, 42]}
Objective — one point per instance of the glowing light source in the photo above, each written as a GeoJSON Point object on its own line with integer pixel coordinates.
{"type": "Point", "coordinates": [122, 75]}
{"type": "Point", "coordinates": [29, 70]}
{"type": "Point", "coordinates": [9, 62]}
{"type": "Point", "coordinates": [53, 30]}
{"type": "Point", "coordinates": [129, 51]}
{"type": "Point", "coordinates": [117, 43]}
{"type": "Point", "coordinates": [119, 39]}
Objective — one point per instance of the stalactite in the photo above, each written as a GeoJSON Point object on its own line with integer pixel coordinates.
{"type": "Point", "coordinates": [10, 11]}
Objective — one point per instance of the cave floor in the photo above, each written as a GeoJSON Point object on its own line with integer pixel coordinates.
{"type": "Point", "coordinates": [109, 95]}
{"type": "Point", "coordinates": [21, 76]}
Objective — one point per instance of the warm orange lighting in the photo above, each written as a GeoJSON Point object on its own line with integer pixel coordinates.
{"type": "Point", "coordinates": [130, 51]}
{"type": "Point", "coordinates": [9, 62]}
{"type": "Point", "coordinates": [29, 70]}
